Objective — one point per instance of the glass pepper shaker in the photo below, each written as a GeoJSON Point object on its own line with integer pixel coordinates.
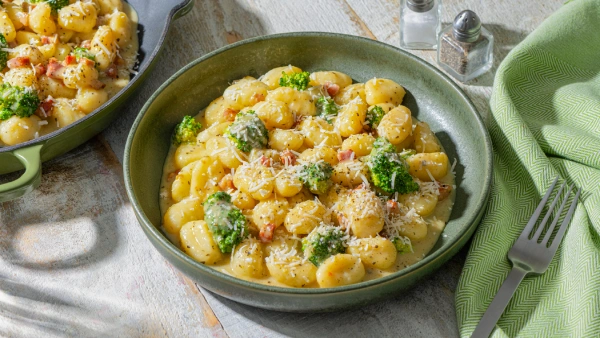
{"type": "Point", "coordinates": [420, 23]}
{"type": "Point", "coordinates": [465, 47]}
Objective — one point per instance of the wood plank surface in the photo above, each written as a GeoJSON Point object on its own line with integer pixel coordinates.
{"type": "Point", "coordinates": [509, 20]}
{"type": "Point", "coordinates": [74, 261]}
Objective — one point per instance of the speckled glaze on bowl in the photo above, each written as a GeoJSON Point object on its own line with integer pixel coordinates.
{"type": "Point", "coordinates": [431, 96]}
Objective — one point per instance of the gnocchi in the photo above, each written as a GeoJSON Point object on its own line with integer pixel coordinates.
{"type": "Point", "coordinates": [67, 57]}
{"type": "Point", "coordinates": [307, 199]}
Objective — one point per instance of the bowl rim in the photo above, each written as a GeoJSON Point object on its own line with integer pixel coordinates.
{"type": "Point", "coordinates": [162, 240]}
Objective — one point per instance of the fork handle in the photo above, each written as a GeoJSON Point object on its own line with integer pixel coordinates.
{"type": "Point", "coordinates": [496, 308]}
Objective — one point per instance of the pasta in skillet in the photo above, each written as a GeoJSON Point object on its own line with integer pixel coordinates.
{"type": "Point", "coordinates": [59, 61]}
{"type": "Point", "coordinates": [306, 180]}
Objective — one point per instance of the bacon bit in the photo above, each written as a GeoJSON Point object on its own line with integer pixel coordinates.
{"type": "Point", "coordinates": [230, 114]}
{"type": "Point", "coordinates": [47, 40]}
{"type": "Point", "coordinates": [97, 84]}
{"type": "Point", "coordinates": [40, 70]}
{"type": "Point", "coordinates": [55, 69]}
{"type": "Point", "coordinates": [111, 71]}
{"type": "Point", "coordinates": [87, 44]}
{"type": "Point", "coordinates": [69, 60]}
{"type": "Point", "coordinates": [361, 186]}
{"type": "Point", "coordinates": [392, 206]}
{"type": "Point", "coordinates": [344, 155]}
{"type": "Point", "coordinates": [331, 88]}
{"type": "Point", "coordinates": [119, 61]}
{"type": "Point", "coordinates": [257, 97]}
{"type": "Point", "coordinates": [19, 61]}
{"type": "Point", "coordinates": [89, 62]}
{"type": "Point", "coordinates": [47, 106]}
{"type": "Point", "coordinates": [445, 190]}
{"type": "Point", "coordinates": [173, 174]}
{"type": "Point", "coordinates": [266, 161]}
{"type": "Point", "coordinates": [266, 233]}
{"type": "Point", "coordinates": [226, 183]}
{"type": "Point", "coordinates": [287, 157]}
{"type": "Point", "coordinates": [299, 119]}
{"type": "Point", "coordinates": [342, 221]}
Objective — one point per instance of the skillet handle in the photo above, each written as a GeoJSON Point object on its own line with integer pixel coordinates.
{"type": "Point", "coordinates": [31, 159]}
{"type": "Point", "coordinates": [181, 8]}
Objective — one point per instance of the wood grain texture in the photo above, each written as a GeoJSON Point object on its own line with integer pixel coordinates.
{"type": "Point", "coordinates": [510, 21]}
{"type": "Point", "coordinates": [74, 261]}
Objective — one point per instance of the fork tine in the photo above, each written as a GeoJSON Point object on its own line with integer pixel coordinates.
{"type": "Point", "coordinates": [565, 224]}
{"type": "Point", "coordinates": [538, 211]}
{"type": "Point", "coordinates": [558, 213]}
{"type": "Point", "coordinates": [542, 225]}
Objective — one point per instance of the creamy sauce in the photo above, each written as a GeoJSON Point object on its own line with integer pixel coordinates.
{"type": "Point", "coordinates": [436, 223]}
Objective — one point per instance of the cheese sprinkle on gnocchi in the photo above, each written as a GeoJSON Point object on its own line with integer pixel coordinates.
{"type": "Point", "coordinates": [61, 60]}
{"type": "Point", "coordinates": [306, 180]}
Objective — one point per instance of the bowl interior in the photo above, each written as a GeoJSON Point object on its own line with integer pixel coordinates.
{"type": "Point", "coordinates": [431, 96]}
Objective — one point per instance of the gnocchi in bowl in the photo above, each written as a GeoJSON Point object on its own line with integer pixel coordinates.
{"type": "Point", "coordinates": [61, 60]}
{"type": "Point", "coordinates": [306, 180]}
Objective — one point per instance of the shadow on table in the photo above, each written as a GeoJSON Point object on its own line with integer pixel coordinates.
{"type": "Point", "coordinates": [39, 231]}
{"type": "Point", "coordinates": [28, 311]}
{"type": "Point", "coordinates": [25, 306]}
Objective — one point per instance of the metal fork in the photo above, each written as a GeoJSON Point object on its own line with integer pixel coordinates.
{"type": "Point", "coordinates": [529, 256]}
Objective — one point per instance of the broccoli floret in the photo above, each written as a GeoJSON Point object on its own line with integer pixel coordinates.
{"type": "Point", "coordinates": [382, 144]}
{"type": "Point", "coordinates": [22, 102]}
{"type": "Point", "coordinates": [248, 131]}
{"type": "Point", "coordinates": [316, 177]}
{"type": "Point", "coordinates": [5, 114]}
{"type": "Point", "coordinates": [374, 116]}
{"type": "Point", "coordinates": [54, 4]}
{"type": "Point", "coordinates": [218, 196]}
{"type": "Point", "coordinates": [389, 170]}
{"type": "Point", "coordinates": [297, 81]}
{"type": "Point", "coordinates": [229, 227]}
{"type": "Point", "coordinates": [81, 52]}
{"type": "Point", "coordinates": [186, 131]}
{"type": "Point", "coordinates": [407, 153]}
{"type": "Point", "coordinates": [3, 52]}
{"type": "Point", "coordinates": [322, 242]}
{"type": "Point", "coordinates": [326, 108]}
{"type": "Point", "coordinates": [403, 244]}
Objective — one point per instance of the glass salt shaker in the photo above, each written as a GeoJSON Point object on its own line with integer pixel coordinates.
{"type": "Point", "coordinates": [420, 23]}
{"type": "Point", "coordinates": [465, 47]}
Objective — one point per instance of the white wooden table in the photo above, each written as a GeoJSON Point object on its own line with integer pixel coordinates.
{"type": "Point", "coordinates": [74, 262]}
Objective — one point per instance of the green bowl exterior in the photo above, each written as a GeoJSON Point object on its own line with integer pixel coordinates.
{"type": "Point", "coordinates": [70, 138]}
{"type": "Point", "coordinates": [431, 96]}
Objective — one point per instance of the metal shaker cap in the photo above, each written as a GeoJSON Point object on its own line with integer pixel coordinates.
{"type": "Point", "coordinates": [420, 6]}
{"type": "Point", "coordinates": [466, 26]}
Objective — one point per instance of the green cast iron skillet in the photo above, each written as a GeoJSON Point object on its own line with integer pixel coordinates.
{"type": "Point", "coordinates": [155, 17]}
{"type": "Point", "coordinates": [431, 96]}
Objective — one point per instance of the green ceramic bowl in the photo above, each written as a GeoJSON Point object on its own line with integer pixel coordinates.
{"type": "Point", "coordinates": [431, 96]}
{"type": "Point", "coordinates": [155, 17]}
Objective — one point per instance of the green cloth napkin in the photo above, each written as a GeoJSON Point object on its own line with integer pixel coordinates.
{"type": "Point", "coordinates": [545, 122]}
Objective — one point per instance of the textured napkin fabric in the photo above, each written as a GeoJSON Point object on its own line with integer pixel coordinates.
{"type": "Point", "coordinates": [545, 122]}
